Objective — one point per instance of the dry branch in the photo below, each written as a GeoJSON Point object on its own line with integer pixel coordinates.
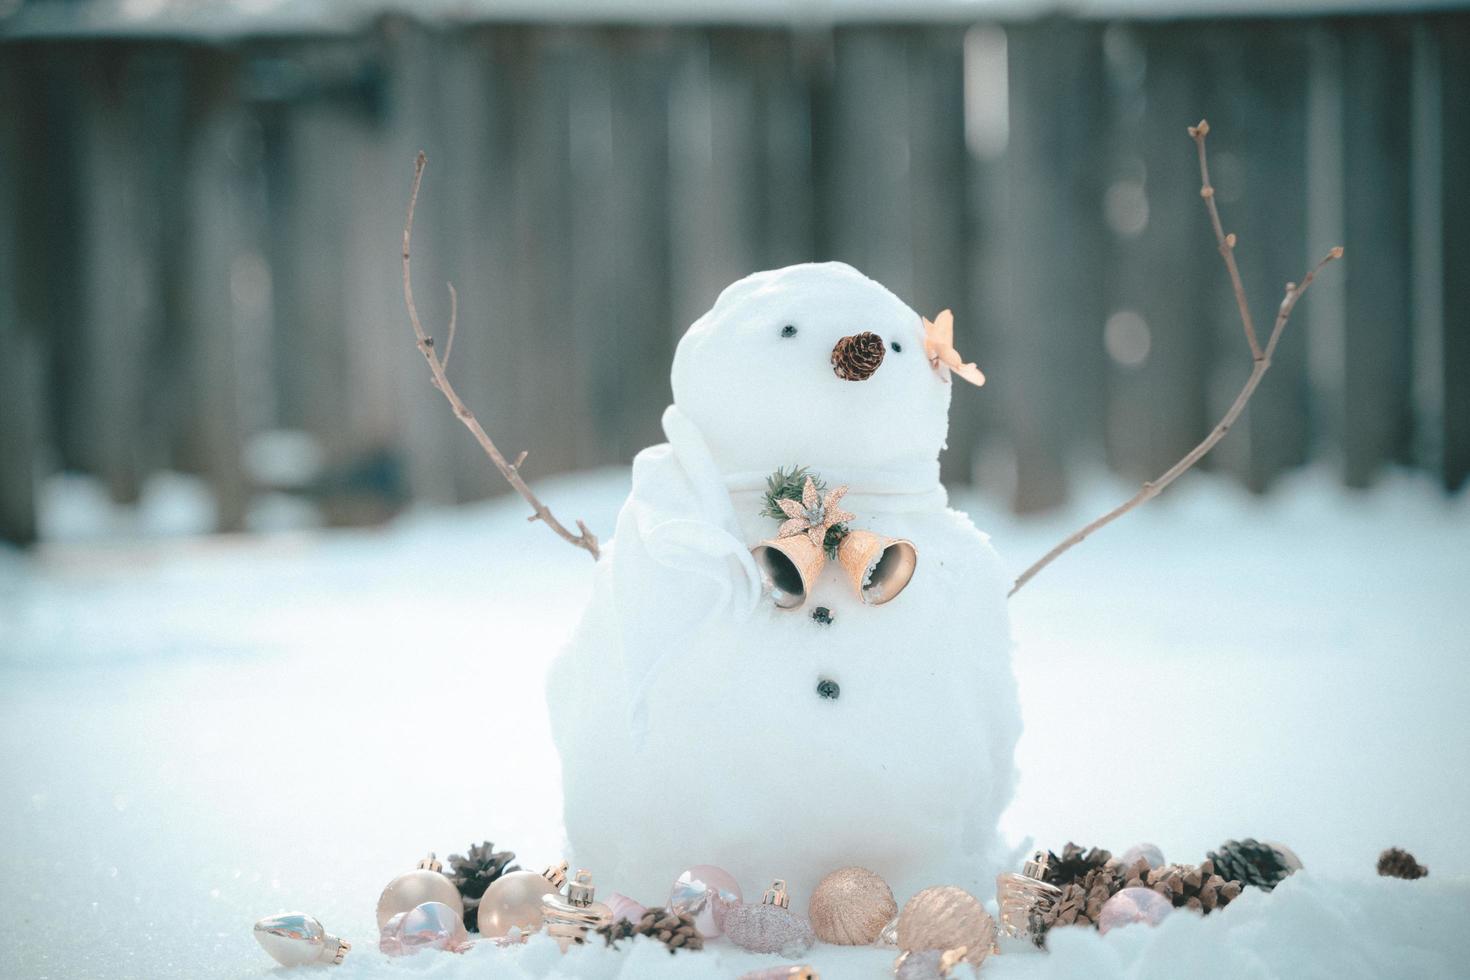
{"type": "Point", "coordinates": [1261, 363]}
{"type": "Point", "coordinates": [437, 367]}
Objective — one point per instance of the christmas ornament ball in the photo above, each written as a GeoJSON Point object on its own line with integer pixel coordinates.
{"type": "Point", "coordinates": [946, 917]}
{"type": "Point", "coordinates": [1142, 852]}
{"type": "Point", "coordinates": [624, 907]}
{"type": "Point", "coordinates": [296, 939]}
{"type": "Point", "coordinates": [706, 893]}
{"type": "Point", "coordinates": [413, 888]}
{"type": "Point", "coordinates": [850, 907]}
{"type": "Point", "coordinates": [513, 901]}
{"type": "Point", "coordinates": [431, 925]}
{"type": "Point", "coordinates": [1133, 905]}
{"type": "Point", "coordinates": [771, 926]}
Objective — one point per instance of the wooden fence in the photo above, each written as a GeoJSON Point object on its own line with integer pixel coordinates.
{"type": "Point", "coordinates": [199, 241]}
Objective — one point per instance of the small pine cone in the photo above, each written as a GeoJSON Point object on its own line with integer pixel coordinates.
{"type": "Point", "coordinates": [855, 358]}
{"type": "Point", "coordinates": [1081, 901]}
{"type": "Point", "coordinates": [1399, 863]}
{"type": "Point", "coordinates": [674, 929]}
{"type": "Point", "coordinates": [474, 872]}
{"type": "Point", "coordinates": [614, 932]}
{"type": "Point", "coordinates": [1197, 888]}
{"type": "Point", "coordinates": [1251, 862]}
{"type": "Point", "coordinates": [1074, 863]}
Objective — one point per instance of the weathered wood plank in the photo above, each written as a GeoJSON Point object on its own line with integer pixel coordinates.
{"type": "Point", "coordinates": [1258, 166]}
{"type": "Point", "coordinates": [1157, 341]}
{"type": "Point", "coordinates": [1454, 37]}
{"type": "Point", "coordinates": [1053, 394]}
{"type": "Point", "coordinates": [20, 346]}
{"type": "Point", "coordinates": [1376, 112]}
{"type": "Point", "coordinates": [223, 211]}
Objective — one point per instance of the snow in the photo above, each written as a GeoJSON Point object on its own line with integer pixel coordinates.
{"type": "Point", "coordinates": [202, 731]}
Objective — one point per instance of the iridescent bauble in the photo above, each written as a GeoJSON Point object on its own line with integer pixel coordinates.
{"type": "Point", "coordinates": [431, 925]}
{"type": "Point", "coordinates": [414, 888]}
{"type": "Point", "coordinates": [1145, 852]}
{"type": "Point", "coordinates": [706, 893]}
{"type": "Point", "coordinates": [932, 964]}
{"type": "Point", "coordinates": [296, 939]}
{"type": "Point", "coordinates": [768, 929]}
{"type": "Point", "coordinates": [850, 907]}
{"type": "Point", "coordinates": [623, 907]}
{"type": "Point", "coordinates": [1133, 905]}
{"type": "Point", "coordinates": [513, 901]}
{"type": "Point", "coordinates": [944, 918]}
{"type": "Point", "coordinates": [1288, 856]}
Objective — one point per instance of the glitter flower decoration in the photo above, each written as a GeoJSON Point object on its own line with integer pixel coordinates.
{"type": "Point", "coordinates": [939, 347]}
{"type": "Point", "coordinates": [813, 514]}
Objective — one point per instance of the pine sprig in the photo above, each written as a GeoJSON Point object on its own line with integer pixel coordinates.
{"type": "Point", "coordinates": [787, 484]}
{"type": "Point", "coordinates": [833, 540]}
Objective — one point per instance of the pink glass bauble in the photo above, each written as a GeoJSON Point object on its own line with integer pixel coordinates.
{"type": "Point", "coordinates": [707, 893]}
{"type": "Point", "coordinates": [624, 907]}
{"type": "Point", "coordinates": [1288, 856]}
{"type": "Point", "coordinates": [1133, 905]}
{"type": "Point", "coordinates": [432, 925]}
{"type": "Point", "coordinates": [1146, 852]}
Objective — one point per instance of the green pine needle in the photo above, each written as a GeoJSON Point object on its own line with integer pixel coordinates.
{"type": "Point", "coordinates": [833, 540]}
{"type": "Point", "coordinates": [787, 484]}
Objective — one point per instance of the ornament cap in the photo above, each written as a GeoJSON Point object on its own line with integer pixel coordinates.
{"type": "Point", "coordinates": [556, 874]}
{"type": "Point", "coordinates": [431, 863]}
{"type": "Point", "coordinates": [581, 891]}
{"type": "Point", "coordinates": [776, 894]}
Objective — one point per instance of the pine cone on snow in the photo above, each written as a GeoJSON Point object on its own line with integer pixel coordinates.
{"type": "Point", "coordinates": [855, 358]}
{"type": "Point", "coordinates": [674, 929]}
{"type": "Point", "coordinates": [1081, 900]}
{"type": "Point", "coordinates": [1200, 889]}
{"type": "Point", "coordinates": [474, 872]}
{"type": "Point", "coordinates": [1074, 863]}
{"type": "Point", "coordinates": [1399, 863]}
{"type": "Point", "coordinates": [1251, 862]}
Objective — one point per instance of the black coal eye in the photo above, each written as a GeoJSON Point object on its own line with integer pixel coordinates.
{"type": "Point", "coordinates": [788, 331]}
{"type": "Point", "coordinates": [897, 347]}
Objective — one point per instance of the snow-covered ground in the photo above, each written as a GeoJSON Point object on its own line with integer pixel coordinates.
{"type": "Point", "coordinates": [198, 732]}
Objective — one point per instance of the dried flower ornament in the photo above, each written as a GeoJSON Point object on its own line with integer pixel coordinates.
{"type": "Point", "coordinates": [814, 514]}
{"type": "Point", "coordinates": [939, 347]}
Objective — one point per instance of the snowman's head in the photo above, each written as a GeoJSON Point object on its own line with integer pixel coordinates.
{"type": "Point", "coordinates": [756, 375]}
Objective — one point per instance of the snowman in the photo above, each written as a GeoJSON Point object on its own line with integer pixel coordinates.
{"type": "Point", "coordinates": [737, 696]}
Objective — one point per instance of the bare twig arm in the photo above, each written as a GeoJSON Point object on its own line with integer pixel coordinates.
{"type": "Point", "coordinates": [585, 539]}
{"type": "Point", "coordinates": [1225, 242]}
{"type": "Point", "coordinates": [1261, 362]}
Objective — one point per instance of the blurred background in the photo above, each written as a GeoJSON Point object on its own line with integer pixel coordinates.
{"type": "Point", "coordinates": [200, 209]}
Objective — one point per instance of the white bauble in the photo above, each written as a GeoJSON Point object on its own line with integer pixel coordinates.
{"type": "Point", "coordinates": [685, 708]}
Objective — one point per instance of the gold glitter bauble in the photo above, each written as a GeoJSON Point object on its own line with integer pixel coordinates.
{"type": "Point", "coordinates": [946, 917]}
{"type": "Point", "coordinates": [850, 907]}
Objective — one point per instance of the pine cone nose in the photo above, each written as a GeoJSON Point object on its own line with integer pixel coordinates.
{"type": "Point", "coordinates": [855, 358]}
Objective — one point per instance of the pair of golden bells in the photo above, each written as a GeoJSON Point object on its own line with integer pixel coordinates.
{"type": "Point", "coordinates": [878, 567]}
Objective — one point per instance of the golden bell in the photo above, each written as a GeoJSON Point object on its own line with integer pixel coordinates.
{"type": "Point", "coordinates": [789, 567]}
{"type": "Point", "coordinates": [878, 567]}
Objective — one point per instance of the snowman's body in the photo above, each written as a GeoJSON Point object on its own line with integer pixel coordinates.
{"type": "Point", "coordinates": [686, 709]}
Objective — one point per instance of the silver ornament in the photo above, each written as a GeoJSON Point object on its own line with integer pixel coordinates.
{"type": "Point", "coordinates": [770, 927]}
{"type": "Point", "coordinates": [296, 939]}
